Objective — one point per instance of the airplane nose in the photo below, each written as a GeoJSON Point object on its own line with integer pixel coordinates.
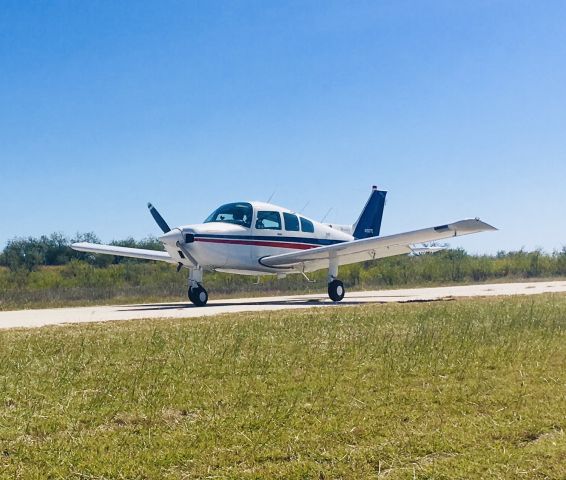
{"type": "Point", "coordinates": [172, 237]}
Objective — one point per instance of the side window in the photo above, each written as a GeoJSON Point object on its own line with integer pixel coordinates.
{"type": "Point", "coordinates": [268, 221]}
{"type": "Point", "coordinates": [291, 222]}
{"type": "Point", "coordinates": [306, 225]}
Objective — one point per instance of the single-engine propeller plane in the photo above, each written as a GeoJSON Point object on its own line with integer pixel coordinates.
{"type": "Point", "coordinates": [258, 238]}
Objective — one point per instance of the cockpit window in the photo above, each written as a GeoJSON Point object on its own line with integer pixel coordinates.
{"type": "Point", "coordinates": [268, 221]}
{"type": "Point", "coordinates": [236, 213]}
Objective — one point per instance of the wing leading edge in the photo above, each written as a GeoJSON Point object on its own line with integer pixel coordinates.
{"type": "Point", "coordinates": [374, 247]}
{"type": "Point", "coordinates": [123, 251]}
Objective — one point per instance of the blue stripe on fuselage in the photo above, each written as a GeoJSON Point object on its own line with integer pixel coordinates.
{"type": "Point", "coordinates": [311, 241]}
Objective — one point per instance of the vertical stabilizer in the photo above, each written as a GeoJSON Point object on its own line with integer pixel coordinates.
{"type": "Point", "coordinates": [369, 223]}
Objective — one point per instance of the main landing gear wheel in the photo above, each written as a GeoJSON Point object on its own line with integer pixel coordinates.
{"type": "Point", "coordinates": [336, 290]}
{"type": "Point", "coordinates": [198, 296]}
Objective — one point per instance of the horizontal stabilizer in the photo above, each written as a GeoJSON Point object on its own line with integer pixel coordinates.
{"type": "Point", "coordinates": [342, 228]}
{"type": "Point", "coordinates": [123, 251]}
{"type": "Point", "coordinates": [423, 250]}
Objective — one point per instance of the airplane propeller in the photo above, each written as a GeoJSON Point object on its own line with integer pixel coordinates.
{"type": "Point", "coordinates": [158, 218]}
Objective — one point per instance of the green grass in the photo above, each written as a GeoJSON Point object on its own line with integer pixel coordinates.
{"type": "Point", "coordinates": [461, 389]}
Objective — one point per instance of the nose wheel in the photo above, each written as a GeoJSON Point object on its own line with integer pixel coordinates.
{"type": "Point", "coordinates": [336, 290]}
{"type": "Point", "coordinates": [198, 295]}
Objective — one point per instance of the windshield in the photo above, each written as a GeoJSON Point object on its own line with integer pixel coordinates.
{"type": "Point", "coordinates": [237, 213]}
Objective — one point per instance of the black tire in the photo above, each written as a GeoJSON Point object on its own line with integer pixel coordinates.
{"type": "Point", "coordinates": [198, 296]}
{"type": "Point", "coordinates": [336, 290]}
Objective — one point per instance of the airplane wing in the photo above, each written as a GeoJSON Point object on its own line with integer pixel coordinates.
{"type": "Point", "coordinates": [123, 251]}
{"type": "Point", "coordinates": [373, 247]}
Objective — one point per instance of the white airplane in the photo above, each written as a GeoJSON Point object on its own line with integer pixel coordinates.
{"type": "Point", "coordinates": [258, 238]}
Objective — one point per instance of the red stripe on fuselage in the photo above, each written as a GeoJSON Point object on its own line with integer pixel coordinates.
{"type": "Point", "coordinates": [259, 243]}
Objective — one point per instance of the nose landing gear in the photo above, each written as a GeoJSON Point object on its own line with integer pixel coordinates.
{"type": "Point", "coordinates": [197, 294]}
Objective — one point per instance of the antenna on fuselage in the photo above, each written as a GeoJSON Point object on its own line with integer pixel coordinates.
{"type": "Point", "coordinates": [326, 214]}
{"type": "Point", "coordinates": [271, 196]}
{"type": "Point", "coordinates": [304, 206]}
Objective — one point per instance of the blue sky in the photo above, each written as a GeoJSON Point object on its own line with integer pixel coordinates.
{"type": "Point", "coordinates": [457, 108]}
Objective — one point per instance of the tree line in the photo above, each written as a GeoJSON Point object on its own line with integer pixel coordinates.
{"type": "Point", "coordinates": [46, 271]}
{"type": "Point", "coordinates": [31, 253]}
{"type": "Point", "coordinates": [49, 250]}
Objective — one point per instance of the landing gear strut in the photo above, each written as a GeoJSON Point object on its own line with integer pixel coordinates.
{"type": "Point", "coordinates": [336, 288]}
{"type": "Point", "coordinates": [197, 294]}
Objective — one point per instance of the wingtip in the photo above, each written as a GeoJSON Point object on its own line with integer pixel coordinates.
{"type": "Point", "coordinates": [486, 226]}
{"type": "Point", "coordinates": [149, 205]}
{"type": "Point", "coordinates": [470, 225]}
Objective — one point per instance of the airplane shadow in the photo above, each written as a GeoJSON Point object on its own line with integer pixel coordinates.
{"type": "Point", "coordinates": [177, 306]}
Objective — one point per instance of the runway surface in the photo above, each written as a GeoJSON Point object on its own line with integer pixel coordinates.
{"type": "Point", "coordinates": [54, 316]}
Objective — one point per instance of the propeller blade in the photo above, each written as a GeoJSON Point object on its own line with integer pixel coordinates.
{"type": "Point", "coordinates": [158, 218]}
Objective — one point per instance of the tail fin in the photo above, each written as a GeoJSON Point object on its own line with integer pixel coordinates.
{"type": "Point", "coordinates": [369, 223]}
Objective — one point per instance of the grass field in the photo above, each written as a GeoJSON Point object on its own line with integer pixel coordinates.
{"type": "Point", "coordinates": [461, 389]}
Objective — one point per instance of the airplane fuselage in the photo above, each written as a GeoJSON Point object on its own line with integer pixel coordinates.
{"type": "Point", "coordinates": [233, 246]}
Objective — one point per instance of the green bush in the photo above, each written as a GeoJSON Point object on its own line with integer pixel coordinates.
{"type": "Point", "coordinates": [46, 270]}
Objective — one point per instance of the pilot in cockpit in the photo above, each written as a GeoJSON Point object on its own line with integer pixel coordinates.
{"type": "Point", "coordinates": [239, 217]}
